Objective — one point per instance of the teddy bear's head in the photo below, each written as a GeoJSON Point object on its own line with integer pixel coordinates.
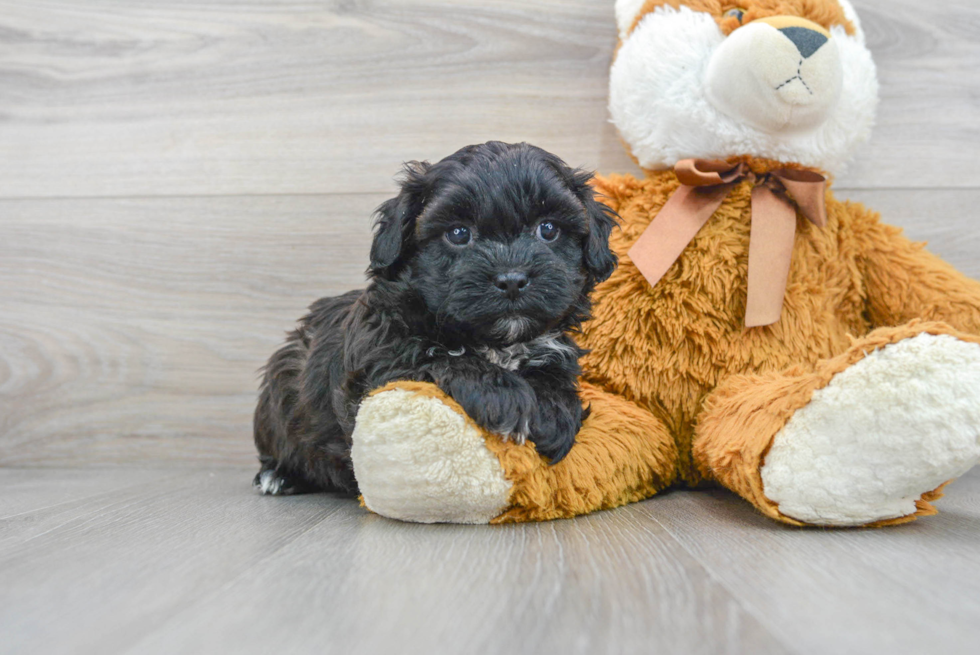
{"type": "Point", "coordinates": [789, 80]}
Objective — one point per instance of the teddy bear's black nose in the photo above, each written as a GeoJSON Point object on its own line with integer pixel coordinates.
{"type": "Point", "coordinates": [807, 41]}
{"type": "Point", "coordinates": [511, 283]}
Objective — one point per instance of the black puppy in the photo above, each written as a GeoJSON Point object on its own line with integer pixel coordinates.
{"type": "Point", "coordinates": [480, 269]}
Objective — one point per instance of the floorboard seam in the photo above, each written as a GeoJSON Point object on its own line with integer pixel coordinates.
{"type": "Point", "coordinates": [81, 498]}
{"type": "Point", "coordinates": [204, 196]}
{"type": "Point", "coordinates": [747, 608]}
{"type": "Point", "coordinates": [391, 191]}
{"type": "Point", "coordinates": [227, 584]}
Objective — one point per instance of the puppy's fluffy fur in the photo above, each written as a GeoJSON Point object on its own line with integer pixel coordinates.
{"type": "Point", "coordinates": [480, 269]}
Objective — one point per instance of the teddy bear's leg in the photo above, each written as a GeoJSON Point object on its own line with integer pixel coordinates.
{"type": "Point", "coordinates": [418, 457]}
{"type": "Point", "coordinates": [866, 438]}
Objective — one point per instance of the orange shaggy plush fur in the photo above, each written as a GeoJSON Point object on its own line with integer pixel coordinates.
{"type": "Point", "coordinates": [682, 393]}
{"type": "Point", "coordinates": [668, 348]}
{"type": "Point", "coordinates": [822, 13]}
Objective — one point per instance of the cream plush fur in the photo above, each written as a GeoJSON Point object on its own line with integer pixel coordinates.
{"type": "Point", "coordinates": [667, 94]}
{"type": "Point", "coordinates": [413, 453]}
{"type": "Point", "coordinates": [890, 428]}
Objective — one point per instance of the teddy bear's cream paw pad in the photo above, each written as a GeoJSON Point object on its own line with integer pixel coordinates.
{"type": "Point", "coordinates": [415, 459]}
{"type": "Point", "coordinates": [891, 427]}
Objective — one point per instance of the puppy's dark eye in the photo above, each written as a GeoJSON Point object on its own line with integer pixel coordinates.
{"type": "Point", "coordinates": [548, 231]}
{"type": "Point", "coordinates": [458, 236]}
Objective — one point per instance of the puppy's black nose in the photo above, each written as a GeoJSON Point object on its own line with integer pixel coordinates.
{"type": "Point", "coordinates": [511, 283]}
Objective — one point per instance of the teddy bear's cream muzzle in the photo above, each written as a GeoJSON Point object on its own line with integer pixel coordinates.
{"type": "Point", "coordinates": [778, 74]}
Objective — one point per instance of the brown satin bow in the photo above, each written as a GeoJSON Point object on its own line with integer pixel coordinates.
{"type": "Point", "coordinates": [775, 198]}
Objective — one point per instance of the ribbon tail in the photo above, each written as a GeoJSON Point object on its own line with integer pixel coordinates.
{"type": "Point", "coordinates": [675, 226]}
{"type": "Point", "coordinates": [770, 254]}
{"type": "Point", "coordinates": [808, 189]}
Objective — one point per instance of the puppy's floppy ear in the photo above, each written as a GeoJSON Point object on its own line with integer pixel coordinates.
{"type": "Point", "coordinates": [394, 228]}
{"type": "Point", "coordinates": [599, 260]}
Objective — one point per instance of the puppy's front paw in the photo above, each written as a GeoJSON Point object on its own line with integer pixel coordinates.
{"type": "Point", "coordinates": [519, 436]}
{"type": "Point", "coordinates": [555, 425]}
{"type": "Point", "coordinates": [505, 408]}
{"type": "Point", "coordinates": [271, 483]}
{"type": "Point", "coordinates": [510, 416]}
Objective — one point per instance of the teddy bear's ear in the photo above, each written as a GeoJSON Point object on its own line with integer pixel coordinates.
{"type": "Point", "coordinates": [626, 13]}
{"type": "Point", "coordinates": [394, 227]}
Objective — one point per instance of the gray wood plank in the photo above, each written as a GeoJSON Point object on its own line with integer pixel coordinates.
{"type": "Point", "coordinates": [198, 563]}
{"type": "Point", "coordinates": [98, 575]}
{"type": "Point", "coordinates": [910, 589]}
{"type": "Point", "coordinates": [132, 330]}
{"type": "Point", "coordinates": [30, 490]}
{"type": "Point", "coordinates": [963, 496]}
{"type": "Point", "coordinates": [928, 57]}
{"type": "Point", "coordinates": [611, 583]}
{"type": "Point", "coordinates": [226, 97]}
{"type": "Point", "coordinates": [945, 219]}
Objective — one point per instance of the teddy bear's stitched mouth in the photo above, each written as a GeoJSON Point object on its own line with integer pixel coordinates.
{"type": "Point", "coordinates": [781, 84]}
{"type": "Point", "coordinates": [776, 80]}
{"type": "Point", "coordinates": [798, 76]}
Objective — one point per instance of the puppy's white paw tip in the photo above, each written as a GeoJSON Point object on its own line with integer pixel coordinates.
{"type": "Point", "coordinates": [890, 428]}
{"type": "Point", "coordinates": [518, 436]}
{"type": "Point", "coordinates": [416, 459]}
{"type": "Point", "coordinates": [268, 483]}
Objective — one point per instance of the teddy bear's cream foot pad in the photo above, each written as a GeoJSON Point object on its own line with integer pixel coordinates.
{"type": "Point", "coordinates": [417, 459]}
{"type": "Point", "coordinates": [899, 423]}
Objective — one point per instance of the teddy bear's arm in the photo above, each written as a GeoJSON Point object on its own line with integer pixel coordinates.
{"type": "Point", "coordinates": [903, 281]}
{"type": "Point", "coordinates": [417, 456]}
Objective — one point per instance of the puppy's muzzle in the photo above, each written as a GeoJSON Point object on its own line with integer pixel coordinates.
{"type": "Point", "coordinates": [511, 283]}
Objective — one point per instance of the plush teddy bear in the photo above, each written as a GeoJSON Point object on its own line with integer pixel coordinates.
{"type": "Point", "coordinates": [759, 333]}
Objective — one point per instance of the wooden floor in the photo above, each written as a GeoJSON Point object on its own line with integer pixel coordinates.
{"type": "Point", "coordinates": [180, 178]}
{"type": "Point", "coordinates": [191, 561]}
